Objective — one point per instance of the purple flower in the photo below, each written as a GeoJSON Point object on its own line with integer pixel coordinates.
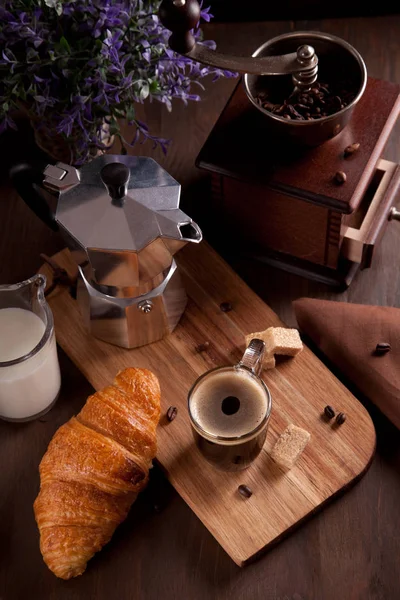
{"type": "Point", "coordinates": [74, 63]}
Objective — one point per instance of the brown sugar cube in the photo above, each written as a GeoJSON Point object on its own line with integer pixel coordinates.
{"type": "Point", "coordinates": [269, 358]}
{"type": "Point", "coordinates": [289, 446]}
{"type": "Point", "coordinates": [269, 361]}
{"type": "Point", "coordinates": [280, 340]}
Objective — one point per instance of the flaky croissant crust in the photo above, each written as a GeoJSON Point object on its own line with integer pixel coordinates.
{"type": "Point", "coordinates": [93, 469]}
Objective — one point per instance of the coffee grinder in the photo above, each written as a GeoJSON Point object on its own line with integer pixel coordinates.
{"type": "Point", "coordinates": [290, 191]}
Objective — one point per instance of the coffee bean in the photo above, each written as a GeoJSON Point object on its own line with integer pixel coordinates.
{"type": "Point", "coordinates": [225, 306]}
{"type": "Point", "coordinates": [333, 96]}
{"type": "Point", "coordinates": [294, 112]}
{"type": "Point", "coordinates": [268, 105]}
{"type": "Point", "coordinates": [340, 419]}
{"type": "Point", "coordinates": [245, 491]}
{"type": "Point", "coordinates": [171, 413]}
{"type": "Point", "coordinates": [329, 412]}
{"type": "Point", "coordinates": [203, 347]}
{"type": "Point", "coordinates": [340, 177]}
{"type": "Point", "coordinates": [382, 348]}
{"type": "Point", "coordinates": [351, 149]}
{"type": "Point", "coordinates": [278, 110]}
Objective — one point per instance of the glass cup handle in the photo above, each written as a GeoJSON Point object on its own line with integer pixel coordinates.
{"type": "Point", "coordinates": [253, 356]}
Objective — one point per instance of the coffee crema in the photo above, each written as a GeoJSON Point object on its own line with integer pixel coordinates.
{"type": "Point", "coordinates": [230, 404]}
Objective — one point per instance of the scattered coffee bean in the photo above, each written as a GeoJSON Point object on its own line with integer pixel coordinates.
{"type": "Point", "coordinates": [245, 491]}
{"type": "Point", "coordinates": [340, 177]}
{"type": "Point", "coordinates": [225, 306]}
{"type": "Point", "coordinates": [203, 347]}
{"type": "Point", "coordinates": [340, 419]}
{"type": "Point", "coordinates": [382, 348]}
{"type": "Point", "coordinates": [329, 412]}
{"type": "Point", "coordinates": [350, 150]}
{"type": "Point", "coordinates": [171, 413]}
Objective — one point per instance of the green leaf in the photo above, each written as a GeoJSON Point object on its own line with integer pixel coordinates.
{"type": "Point", "coordinates": [114, 127]}
{"type": "Point", "coordinates": [119, 112]}
{"type": "Point", "coordinates": [154, 87]}
{"type": "Point", "coordinates": [64, 45]}
{"type": "Point", "coordinates": [31, 55]}
{"type": "Point", "coordinates": [130, 113]}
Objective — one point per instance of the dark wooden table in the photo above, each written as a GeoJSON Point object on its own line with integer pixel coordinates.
{"type": "Point", "coordinates": [348, 551]}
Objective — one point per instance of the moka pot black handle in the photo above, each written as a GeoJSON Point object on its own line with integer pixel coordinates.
{"type": "Point", "coordinates": [27, 180]}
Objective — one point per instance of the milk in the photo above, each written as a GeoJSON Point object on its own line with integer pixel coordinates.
{"type": "Point", "coordinates": [28, 387]}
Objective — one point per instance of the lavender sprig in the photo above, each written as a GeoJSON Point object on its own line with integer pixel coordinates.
{"type": "Point", "coordinates": [73, 64]}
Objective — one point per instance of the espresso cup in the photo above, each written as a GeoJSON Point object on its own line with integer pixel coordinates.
{"type": "Point", "coordinates": [229, 410]}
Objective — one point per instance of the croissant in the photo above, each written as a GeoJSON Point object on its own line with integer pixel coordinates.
{"type": "Point", "coordinates": [93, 469]}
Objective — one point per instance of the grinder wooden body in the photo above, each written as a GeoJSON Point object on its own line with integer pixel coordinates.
{"type": "Point", "coordinates": [281, 203]}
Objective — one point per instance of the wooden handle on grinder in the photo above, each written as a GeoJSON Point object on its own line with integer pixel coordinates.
{"type": "Point", "coordinates": [180, 17]}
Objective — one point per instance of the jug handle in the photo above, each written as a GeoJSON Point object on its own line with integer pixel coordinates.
{"type": "Point", "coordinates": [25, 177]}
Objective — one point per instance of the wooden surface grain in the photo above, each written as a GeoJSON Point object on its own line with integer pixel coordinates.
{"type": "Point", "coordinates": [350, 550]}
{"type": "Point", "coordinates": [334, 457]}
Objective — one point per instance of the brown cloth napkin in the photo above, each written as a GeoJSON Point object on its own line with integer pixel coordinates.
{"type": "Point", "coordinates": [348, 334]}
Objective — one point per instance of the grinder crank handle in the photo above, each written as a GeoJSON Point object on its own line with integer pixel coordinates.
{"type": "Point", "coordinates": [182, 16]}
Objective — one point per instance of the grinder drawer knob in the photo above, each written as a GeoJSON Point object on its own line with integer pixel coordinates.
{"type": "Point", "coordinates": [394, 214]}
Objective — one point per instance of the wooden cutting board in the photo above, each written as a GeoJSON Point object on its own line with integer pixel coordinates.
{"type": "Point", "coordinates": [300, 388]}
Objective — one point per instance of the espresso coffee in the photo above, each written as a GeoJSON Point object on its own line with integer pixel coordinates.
{"type": "Point", "coordinates": [229, 404]}
{"type": "Point", "coordinates": [229, 410]}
